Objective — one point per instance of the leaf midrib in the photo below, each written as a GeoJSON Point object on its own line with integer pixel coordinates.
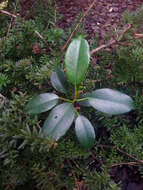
{"type": "Point", "coordinates": [58, 123]}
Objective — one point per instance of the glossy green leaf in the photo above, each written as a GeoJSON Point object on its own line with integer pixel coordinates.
{"type": "Point", "coordinates": [58, 81]}
{"type": "Point", "coordinates": [41, 103]}
{"type": "Point", "coordinates": [84, 131]}
{"type": "Point", "coordinates": [110, 101]}
{"type": "Point", "coordinates": [77, 60]}
{"type": "Point", "coordinates": [58, 121]}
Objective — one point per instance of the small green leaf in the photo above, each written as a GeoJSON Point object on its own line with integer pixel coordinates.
{"type": "Point", "coordinates": [77, 60]}
{"type": "Point", "coordinates": [41, 103]}
{"type": "Point", "coordinates": [58, 121]}
{"type": "Point", "coordinates": [110, 101]}
{"type": "Point", "coordinates": [84, 131]}
{"type": "Point", "coordinates": [58, 81]}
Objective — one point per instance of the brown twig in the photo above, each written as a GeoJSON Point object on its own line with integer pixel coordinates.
{"type": "Point", "coordinates": [138, 35]}
{"type": "Point", "coordinates": [55, 12]}
{"type": "Point", "coordinates": [78, 24]}
{"type": "Point", "coordinates": [126, 163]}
{"type": "Point", "coordinates": [11, 21]}
{"type": "Point", "coordinates": [42, 38]}
{"type": "Point", "coordinates": [75, 178]}
{"type": "Point", "coordinates": [77, 166]}
{"type": "Point", "coordinates": [130, 156]}
{"type": "Point", "coordinates": [126, 29]}
{"type": "Point", "coordinates": [121, 151]}
{"type": "Point", "coordinates": [8, 13]}
{"type": "Point", "coordinates": [10, 26]}
{"type": "Point", "coordinates": [98, 160]}
{"type": "Point", "coordinates": [111, 42]}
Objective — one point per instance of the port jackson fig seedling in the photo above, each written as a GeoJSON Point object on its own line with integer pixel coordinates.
{"type": "Point", "coordinates": [61, 117]}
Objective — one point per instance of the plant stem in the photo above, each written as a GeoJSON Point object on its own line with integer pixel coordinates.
{"type": "Point", "coordinates": [75, 99]}
{"type": "Point", "coordinates": [75, 88]}
{"type": "Point", "coordinates": [65, 99]}
{"type": "Point", "coordinates": [81, 99]}
{"type": "Point", "coordinates": [76, 112]}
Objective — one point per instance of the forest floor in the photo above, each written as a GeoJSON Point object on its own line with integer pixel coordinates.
{"type": "Point", "coordinates": [103, 17]}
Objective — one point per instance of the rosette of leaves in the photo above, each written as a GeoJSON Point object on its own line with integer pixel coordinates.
{"type": "Point", "coordinates": [63, 115]}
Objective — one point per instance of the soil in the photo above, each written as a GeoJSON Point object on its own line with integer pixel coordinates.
{"type": "Point", "coordinates": [104, 15]}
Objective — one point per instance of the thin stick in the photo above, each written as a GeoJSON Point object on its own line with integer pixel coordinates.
{"type": "Point", "coordinates": [100, 161]}
{"type": "Point", "coordinates": [111, 42]}
{"type": "Point", "coordinates": [78, 24]}
{"type": "Point", "coordinates": [41, 37]}
{"type": "Point", "coordinates": [138, 35]}
{"type": "Point", "coordinates": [126, 163]}
{"type": "Point", "coordinates": [130, 156]}
{"type": "Point", "coordinates": [11, 22]}
{"type": "Point", "coordinates": [75, 178]}
{"type": "Point", "coordinates": [123, 152]}
{"type": "Point", "coordinates": [77, 166]}
{"type": "Point", "coordinates": [126, 29]}
{"type": "Point", "coordinates": [8, 13]}
{"type": "Point", "coordinates": [55, 12]}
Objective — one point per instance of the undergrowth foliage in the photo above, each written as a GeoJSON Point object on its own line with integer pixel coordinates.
{"type": "Point", "coordinates": [61, 117]}
{"type": "Point", "coordinates": [29, 161]}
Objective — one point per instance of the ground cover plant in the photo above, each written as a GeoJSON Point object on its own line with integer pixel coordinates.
{"type": "Point", "coordinates": [29, 66]}
{"type": "Point", "coordinates": [61, 117]}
